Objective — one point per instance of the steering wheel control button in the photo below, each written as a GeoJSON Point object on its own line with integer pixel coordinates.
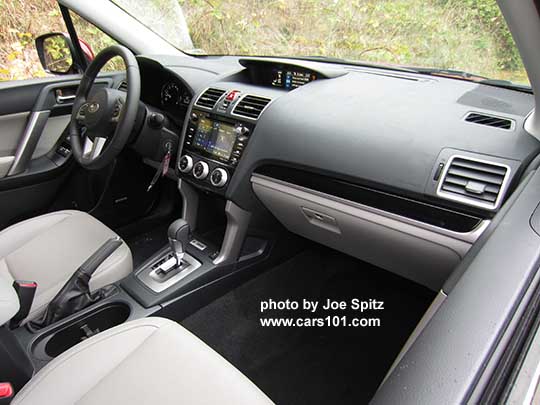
{"type": "Point", "coordinates": [201, 170]}
{"type": "Point", "coordinates": [219, 177]}
{"type": "Point", "coordinates": [185, 164]}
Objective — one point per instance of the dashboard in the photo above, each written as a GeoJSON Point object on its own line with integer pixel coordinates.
{"type": "Point", "coordinates": [344, 153]}
{"type": "Point", "coordinates": [359, 125]}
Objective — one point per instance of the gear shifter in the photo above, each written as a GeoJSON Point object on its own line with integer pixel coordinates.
{"type": "Point", "coordinates": [178, 234]}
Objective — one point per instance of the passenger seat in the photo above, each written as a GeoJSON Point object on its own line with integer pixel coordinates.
{"type": "Point", "coordinates": [147, 361]}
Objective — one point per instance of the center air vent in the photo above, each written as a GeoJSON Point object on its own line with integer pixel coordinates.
{"type": "Point", "coordinates": [123, 86]}
{"type": "Point", "coordinates": [251, 106]}
{"type": "Point", "coordinates": [489, 120]}
{"type": "Point", "coordinates": [209, 98]}
{"type": "Point", "coordinates": [474, 182]}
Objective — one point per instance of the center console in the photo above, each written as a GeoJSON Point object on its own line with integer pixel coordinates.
{"type": "Point", "coordinates": [216, 135]}
{"type": "Point", "coordinates": [212, 148]}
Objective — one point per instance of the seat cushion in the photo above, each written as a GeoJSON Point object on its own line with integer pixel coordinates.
{"type": "Point", "coordinates": [48, 249]}
{"type": "Point", "coordinates": [148, 361]}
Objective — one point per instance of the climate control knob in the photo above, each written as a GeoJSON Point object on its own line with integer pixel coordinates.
{"type": "Point", "coordinates": [185, 164]}
{"type": "Point", "coordinates": [201, 170]}
{"type": "Point", "coordinates": [219, 177]}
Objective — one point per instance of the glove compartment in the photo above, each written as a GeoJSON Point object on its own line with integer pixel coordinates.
{"type": "Point", "coordinates": [420, 252]}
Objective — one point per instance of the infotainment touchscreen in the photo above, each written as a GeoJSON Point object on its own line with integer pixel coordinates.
{"type": "Point", "coordinates": [215, 138]}
{"type": "Point", "coordinates": [224, 143]}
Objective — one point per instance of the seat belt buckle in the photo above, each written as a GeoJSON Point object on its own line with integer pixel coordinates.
{"type": "Point", "coordinates": [26, 290]}
{"type": "Point", "coordinates": [6, 392]}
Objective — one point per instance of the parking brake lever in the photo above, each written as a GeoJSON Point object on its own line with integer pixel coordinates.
{"type": "Point", "coordinates": [75, 294]}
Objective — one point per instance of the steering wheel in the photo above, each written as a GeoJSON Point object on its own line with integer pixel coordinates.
{"type": "Point", "coordinates": [103, 119]}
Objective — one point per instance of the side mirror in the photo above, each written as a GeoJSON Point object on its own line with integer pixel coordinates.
{"type": "Point", "coordinates": [56, 52]}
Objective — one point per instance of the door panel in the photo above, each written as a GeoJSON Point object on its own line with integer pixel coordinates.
{"type": "Point", "coordinates": [54, 128]}
{"type": "Point", "coordinates": [33, 130]}
{"type": "Point", "coordinates": [11, 128]}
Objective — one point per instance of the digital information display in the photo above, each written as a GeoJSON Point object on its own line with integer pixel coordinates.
{"type": "Point", "coordinates": [215, 138]}
{"type": "Point", "coordinates": [290, 79]}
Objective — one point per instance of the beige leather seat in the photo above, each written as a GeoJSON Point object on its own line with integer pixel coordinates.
{"type": "Point", "coordinates": [48, 249]}
{"type": "Point", "coordinates": [148, 361]}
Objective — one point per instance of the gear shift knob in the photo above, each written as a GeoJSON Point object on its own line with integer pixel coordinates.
{"type": "Point", "coordinates": [178, 234]}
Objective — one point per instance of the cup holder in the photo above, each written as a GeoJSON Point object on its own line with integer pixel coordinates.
{"type": "Point", "coordinates": [97, 321]}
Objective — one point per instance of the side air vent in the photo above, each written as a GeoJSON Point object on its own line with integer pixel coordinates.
{"type": "Point", "coordinates": [209, 98]}
{"type": "Point", "coordinates": [474, 182]}
{"type": "Point", "coordinates": [123, 86]}
{"type": "Point", "coordinates": [251, 106]}
{"type": "Point", "coordinates": [489, 120]}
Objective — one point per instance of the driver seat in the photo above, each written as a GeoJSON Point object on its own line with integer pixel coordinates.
{"type": "Point", "coordinates": [49, 248]}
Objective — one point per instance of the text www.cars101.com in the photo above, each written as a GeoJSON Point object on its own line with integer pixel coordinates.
{"type": "Point", "coordinates": [328, 321]}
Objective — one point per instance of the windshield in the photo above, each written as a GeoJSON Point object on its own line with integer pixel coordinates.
{"type": "Point", "coordinates": [464, 35]}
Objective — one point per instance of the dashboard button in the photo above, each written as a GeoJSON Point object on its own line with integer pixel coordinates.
{"type": "Point", "coordinates": [219, 177]}
{"type": "Point", "coordinates": [185, 164]}
{"type": "Point", "coordinates": [201, 170]}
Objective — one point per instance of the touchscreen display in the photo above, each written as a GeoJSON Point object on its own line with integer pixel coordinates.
{"type": "Point", "coordinates": [224, 143]}
{"type": "Point", "coordinates": [203, 134]}
{"type": "Point", "coordinates": [215, 138]}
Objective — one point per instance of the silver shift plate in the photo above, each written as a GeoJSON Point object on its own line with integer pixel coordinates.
{"type": "Point", "coordinates": [153, 277]}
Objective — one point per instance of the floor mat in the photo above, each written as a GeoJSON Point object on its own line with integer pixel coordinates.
{"type": "Point", "coordinates": [313, 365]}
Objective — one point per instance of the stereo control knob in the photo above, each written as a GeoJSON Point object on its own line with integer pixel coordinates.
{"type": "Point", "coordinates": [194, 117]}
{"type": "Point", "coordinates": [219, 177]}
{"type": "Point", "coordinates": [242, 130]}
{"type": "Point", "coordinates": [185, 164]}
{"type": "Point", "coordinates": [201, 170]}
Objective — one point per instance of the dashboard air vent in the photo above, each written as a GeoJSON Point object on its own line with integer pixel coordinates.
{"type": "Point", "coordinates": [251, 106]}
{"type": "Point", "coordinates": [122, 86]}
{"type": "Point", "coordinates": [474, 182]}
{"type": "Point", "coordinates": [489, 120]}
{"type": "Point", "coordinates": [209, 98]}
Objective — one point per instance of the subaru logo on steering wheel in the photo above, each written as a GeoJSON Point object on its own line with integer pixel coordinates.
{"type": "Point", "coordinates": [93, 107]}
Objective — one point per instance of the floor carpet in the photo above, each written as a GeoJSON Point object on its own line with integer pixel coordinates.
{"type": "Point", "coordinates": [313, 365]}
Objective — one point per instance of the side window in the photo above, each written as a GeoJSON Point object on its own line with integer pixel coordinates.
{"type": "Point", "coordinates": [97, 40]}
{"type": "Point", "coordinates": [20, 23]}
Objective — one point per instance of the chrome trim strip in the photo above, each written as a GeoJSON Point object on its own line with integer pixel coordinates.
{"type": "Point", "coordinates": [237, 224]}
{"type": "Point", "coordinates": [469, 237]}
{"type": "Point", "coordinates": [190, 203]}
{"type": "Point", "coordinates": [148, 276]}
{"type": "Point", "coordinates": [464, 200]}
{"type": "Point", "coordinates": [28, 141]}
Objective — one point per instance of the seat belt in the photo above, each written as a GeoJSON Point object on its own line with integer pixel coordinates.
{"type": "Point", "coordinates": [26, 290]}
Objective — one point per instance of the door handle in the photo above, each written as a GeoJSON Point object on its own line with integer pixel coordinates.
{"type": "Point", "coordinates": [61, 99]}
